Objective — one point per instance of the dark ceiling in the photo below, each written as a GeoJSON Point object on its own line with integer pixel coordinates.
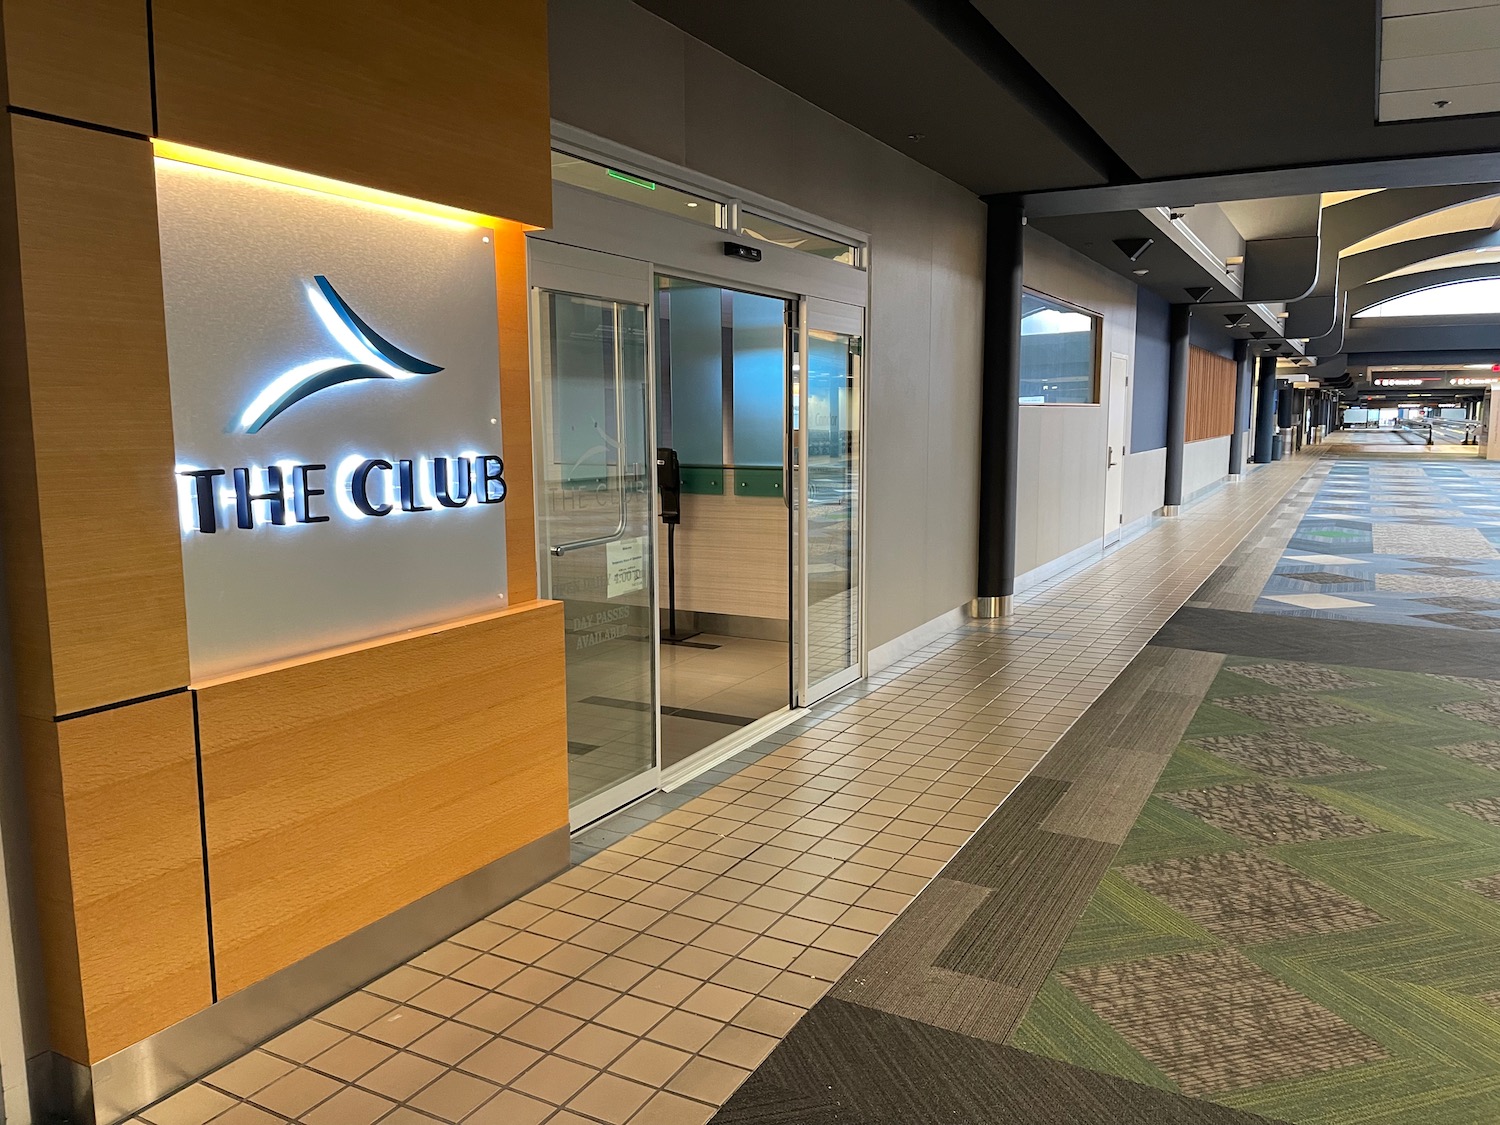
{"type": "Point", "coordinates": [1175, 88]}
{"type": "Point", "coordinates": [880, 66]}
{"type": "Point", "coordinates": [1183, 87]}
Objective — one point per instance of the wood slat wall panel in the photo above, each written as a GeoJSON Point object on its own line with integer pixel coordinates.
{"type": "Point", "coordinates": [113, 799]}
{"type": "Point", "coordinates": [92, 550]}
{"type": "Point", "coordinates": [88, 60]}
{"type": "Point", "coordinates": [340, 790]}
{"type": "Point", "coordinates": [1210, 405]}
{"type": "Point", "coordinates": [440, 101]}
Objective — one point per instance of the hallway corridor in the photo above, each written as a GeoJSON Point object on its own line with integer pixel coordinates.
{"type": "Point", "coordinates": [645, 984]}
{"type": "Point", "coordinates": [1255, 882]}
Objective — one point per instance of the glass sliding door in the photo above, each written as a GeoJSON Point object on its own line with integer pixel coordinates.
{"type": "Point", "coordinates": [595, 492]}
{"type": "Point", "coordinates": [826, 474]}
{"type": "Point", "coordinates": [722, 361]}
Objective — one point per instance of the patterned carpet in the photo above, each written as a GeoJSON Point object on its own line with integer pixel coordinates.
{"type": "Point", "coordinates": [1258, 881]}
{"type": "Point", "coordinates": [1305, 921]}
{"type": "Point", "coordinates": [1396, 542]}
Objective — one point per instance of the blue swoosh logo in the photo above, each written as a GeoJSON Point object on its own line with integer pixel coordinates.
{"type": "Point", "coordinates": [374, 357]}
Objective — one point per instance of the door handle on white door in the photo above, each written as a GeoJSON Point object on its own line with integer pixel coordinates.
{"type": "Point", "coordinates": [1111, 456]}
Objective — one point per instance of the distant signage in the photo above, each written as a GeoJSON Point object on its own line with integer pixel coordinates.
{"type": "Point", "coordinates": [334, 369]}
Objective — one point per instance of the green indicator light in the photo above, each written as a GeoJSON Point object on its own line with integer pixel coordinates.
{"type": "Point", "coordinates": [636, 180]}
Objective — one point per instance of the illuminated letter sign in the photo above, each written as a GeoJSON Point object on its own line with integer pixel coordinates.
{"type": "Point", "coordinates": [334, 370]}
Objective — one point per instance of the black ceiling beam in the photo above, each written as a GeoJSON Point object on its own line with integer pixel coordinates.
{"type": "Point", "coordinates": [1259, 183]}
{"type": "Point", "coordinates": [965, 27]}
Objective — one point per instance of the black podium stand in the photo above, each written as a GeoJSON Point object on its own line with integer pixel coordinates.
{"type": "Point", "coordinates": [669, 485]}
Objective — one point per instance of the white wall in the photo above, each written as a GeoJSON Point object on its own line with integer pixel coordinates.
{"type": "Point", "coordinates": [1145, 484]}
{"type": "Point", "coordinates": [1063, 448]}
{"type": "Point", "coordinates": [622, 73]}
{"type": "Point", "coordinates": [1204, 464]}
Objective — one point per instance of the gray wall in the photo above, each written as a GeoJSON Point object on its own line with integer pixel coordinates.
{"type": "Point", "coordinates": [621, 73]}
{"type": "Point", "coordinates": [1205, 331]}
{"type": "Point", "coordinates": [1063, 448]}
{"type": "Point", "coordinates": [1153, 347]}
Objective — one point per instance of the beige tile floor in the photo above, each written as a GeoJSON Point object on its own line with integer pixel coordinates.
{"type": "Point", "coordinates": [643, 985]}
{"type": "Point", "coordinates": [742, 677]}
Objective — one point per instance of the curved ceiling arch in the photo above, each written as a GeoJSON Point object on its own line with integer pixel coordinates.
{"type": "Point", "coordinates": [1354, 223]}
{"type": "Point", "coordinates": [1480, 213]}
{"type": "Point", "coordinates": [1410, 256]}
{"type": "Point", "coordinates": [1468, 290]}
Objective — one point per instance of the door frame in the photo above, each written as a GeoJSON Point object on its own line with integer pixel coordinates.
{"type": "Point", "coordinates": [658, 243]}
{"type": "Point", "coordinates": [558, 268]}
{"type": "Point", "coordinates": [815, 313]}
{"type": "Point", "coordinates": [1114, 517]}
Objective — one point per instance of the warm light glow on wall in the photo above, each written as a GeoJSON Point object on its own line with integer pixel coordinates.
{"type": "Point", "coordinates": [185, 154]}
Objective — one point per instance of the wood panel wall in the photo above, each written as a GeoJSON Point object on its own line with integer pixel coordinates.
{"type": "Point", "coordinates": [86, 60]}
{"type": "Point", "coordinates": [515, 412]}
{"type": "Point", "coordinates": [113, 802]}
{"type": "Point", "coordinates": [447, 103]}
{"type": "Point", "coordinates": [1210, 403]}
{"type": "Point", "coordinates": [337, 791]}
{"type": "Point", "coordinates": [94, 567]}
{"type": "Point", "coordinates": [426, 98]}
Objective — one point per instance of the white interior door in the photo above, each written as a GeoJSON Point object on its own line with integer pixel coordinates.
{"type": "Point", "coordinates": [1119, 419]}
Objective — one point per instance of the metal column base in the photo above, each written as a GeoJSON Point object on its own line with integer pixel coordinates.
{"type": "Point", "coordinates": [987, 609]}
{"type": "Point", "coordinates": [1169, 510]}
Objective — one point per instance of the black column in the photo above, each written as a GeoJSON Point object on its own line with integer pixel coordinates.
{"type": "Point", "coordinates": [1177, 392]}
{"type": "Point", "coordinates": [1265, 410]}
{"type": "Point", "coordinates": [1001, 420]}
{"type": "Point", "coordinates": [1244, 368]}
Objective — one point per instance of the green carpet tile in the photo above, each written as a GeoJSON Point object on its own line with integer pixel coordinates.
{"type": "Point", "coordinates": [1304, 921]}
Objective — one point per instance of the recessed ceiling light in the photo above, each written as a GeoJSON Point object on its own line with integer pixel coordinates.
{"type": "Point", "coordinates": [692, 205]}
{"type": "Point", "coordinates": [1140, 273]}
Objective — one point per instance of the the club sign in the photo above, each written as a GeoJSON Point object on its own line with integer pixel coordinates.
{"type": "Point", "coordinates": [289, 492]}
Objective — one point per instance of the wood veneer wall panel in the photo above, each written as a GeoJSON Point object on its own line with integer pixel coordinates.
{"type": "Point", "coordinates": [436, 100]}
{"type": "Point", "coordinates": [93, 558]}
{"type": "Point", "coordinates": [118, 851]}
{"type": "Point", "coordinates": [88, 60]}
{"type": "Point", "coordinates": [733, 555]}
{"type": "Point", "coordinates": [340, 790]}
{"type": "Point", "coordinates": [1210, 407]}
{"type": "Point", "coordinates": [515, 412]}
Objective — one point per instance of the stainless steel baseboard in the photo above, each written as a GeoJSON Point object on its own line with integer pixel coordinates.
{"type": "Point", "coordinates": [988, 609]}
{"type": "Point", "coordinates": [115, 1088]}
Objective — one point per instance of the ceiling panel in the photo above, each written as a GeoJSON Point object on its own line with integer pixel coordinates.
{"type": "Point", "coordinates": [1441, 61]}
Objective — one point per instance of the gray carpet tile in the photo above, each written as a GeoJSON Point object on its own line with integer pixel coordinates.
{"type": "Point", "coordinates": [1326, 641]}
{"type": "Point", "coordinates": [899, 973]}
{"type": "Point", "coordinates": [851, 1065]}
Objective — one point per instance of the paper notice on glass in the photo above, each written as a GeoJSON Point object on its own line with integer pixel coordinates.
{"type": "Point", "coordinates": [627, 566]}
